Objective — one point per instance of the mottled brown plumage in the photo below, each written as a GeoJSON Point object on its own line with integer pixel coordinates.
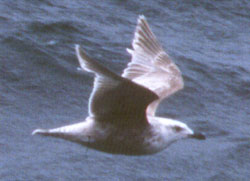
{"type": "Point", "coordinates": [122, 108]}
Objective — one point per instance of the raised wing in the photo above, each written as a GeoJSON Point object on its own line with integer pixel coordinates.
{"type": "Point", "coordinates": [150, 66]}
{"type": "Point", "coordinates": [115, 99]}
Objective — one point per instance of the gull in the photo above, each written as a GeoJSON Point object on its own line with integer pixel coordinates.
{"type": "Point", "coordinates": [122, 108]}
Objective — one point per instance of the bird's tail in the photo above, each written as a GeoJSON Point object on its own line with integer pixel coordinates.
{"type": "Point", "coordinates": [44, 132]}
{"type": "Point", "coordinates": [69, 132]}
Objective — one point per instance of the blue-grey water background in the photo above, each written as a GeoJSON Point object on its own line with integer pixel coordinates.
{"type": "Point", "coordinates": [40, 86]}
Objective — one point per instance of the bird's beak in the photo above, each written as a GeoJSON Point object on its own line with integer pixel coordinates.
{"type": "Point", "coordinates": [197, 135]}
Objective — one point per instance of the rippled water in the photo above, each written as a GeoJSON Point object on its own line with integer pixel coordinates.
{"type": "Point", "coordinates": [41, 87]}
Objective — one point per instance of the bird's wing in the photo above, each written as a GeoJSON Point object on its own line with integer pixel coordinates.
{"type": "Point", "coordinates": [115, 99]}
{"type": "Point", "coordinates": [151, 66]}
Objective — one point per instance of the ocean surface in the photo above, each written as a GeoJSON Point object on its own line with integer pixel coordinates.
{"type": "Point", "coordinates": [41, 87]}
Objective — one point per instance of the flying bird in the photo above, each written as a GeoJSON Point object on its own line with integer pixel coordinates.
{"type": "Point", "coordinates": [122, 108]}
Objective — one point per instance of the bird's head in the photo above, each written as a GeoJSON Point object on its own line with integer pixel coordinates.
{"type": "Point", "coordinates": [184, 131]}
{"type": "Point", "coordinates": [176, 130]}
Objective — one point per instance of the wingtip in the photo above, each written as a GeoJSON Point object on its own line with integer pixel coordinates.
{"type": "Point", "coordinates": [77, 47]}
{"type": "Point", "coordinates": [79, 55]}
{"type": "Point", "coordinates": [141, 17]}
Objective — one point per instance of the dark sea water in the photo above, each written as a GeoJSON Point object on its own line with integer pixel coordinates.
{"type": "Point", "coordinates": [40, 86]}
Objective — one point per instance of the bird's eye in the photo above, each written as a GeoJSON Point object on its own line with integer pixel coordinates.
{"type": "Point", "coordinates": [177, 128]}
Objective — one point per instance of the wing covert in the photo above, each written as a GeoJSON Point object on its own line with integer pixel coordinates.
{"type": "Point", "coordinates": [115, 99]}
